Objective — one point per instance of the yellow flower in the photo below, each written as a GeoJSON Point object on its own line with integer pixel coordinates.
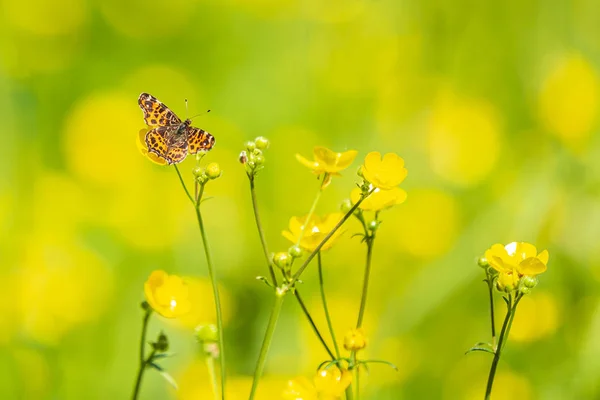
{"type": "Point", "coordinates": [328, 161]}
{"type": "Point", "coordinates": [379, 199]}
{"type": "Point", "coordinates": [167, 294]}
{"type": "Point", "coordinates": [328, 384]}
{"type": "Point", "coordinates": [355, 339]}
{"type": "Point", "coordinates": [515, 260]}
{"type": "Point", "coordinates": [314, 231]}
{"type": "Point", "coordinates": [384, 173]}
{"type": "Point", "coordinates": [143, 148]}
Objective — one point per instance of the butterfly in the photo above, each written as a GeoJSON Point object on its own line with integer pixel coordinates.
{"type": "Point", "coordinates": [168, 137]}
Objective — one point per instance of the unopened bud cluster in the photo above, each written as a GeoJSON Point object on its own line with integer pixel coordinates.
{"type": "Point", "coordinates": [252, 157]}
{"type": "Point", "coordinates": [207, 173]}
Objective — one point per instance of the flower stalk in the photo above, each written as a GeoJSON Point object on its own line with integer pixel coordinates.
{"type": "Point", "coordinates": [143, 360]}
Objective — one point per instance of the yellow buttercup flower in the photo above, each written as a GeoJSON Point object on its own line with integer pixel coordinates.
{"type": "Point", "coordinates": [328, 384]}
{"type": "Point", "coordinates": [167, 294]}
{"type": "Point", "coordinates": [515, 260]}
{"type": "Point", "coordinates": [355, 340]}
{"type": "Point", "coordinates": [384, 173]}
{"type": "Point", "coordinates": [143, 148]}
{"type": "Point", "coordinates": [314, 231]}
{"type": "Point", "coordinates": [379, 199]}
{"type": "Point", "coordinates": [328, 161]}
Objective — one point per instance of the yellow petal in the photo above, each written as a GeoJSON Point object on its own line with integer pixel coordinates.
{"type": "Point", "coordinates": [532, 266]}
{"type": "Point", "coordinates": [289, 236]}
{"type": "Point", "coordinates": [522, 250]}
{"type": "Point", "coordinates": [543, 257]}
{"type": "Point", "coordinates": [313, 165]}
{"type": "Point", "coordinates": [495, 256]}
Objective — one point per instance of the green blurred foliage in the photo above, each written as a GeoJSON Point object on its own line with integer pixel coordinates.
{"type": "Point", "coordinates": [493, 105]}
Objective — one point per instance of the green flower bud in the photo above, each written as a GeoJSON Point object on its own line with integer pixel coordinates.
{"type": "Point", "coordinates": [483, 262]}
{"type": "Point", "coordinates": [251, 164]}
{"type": "Point", "coordinates": [250, 146]}
{"type": "Point", "coordinates": [259, 159]}
{"type": "Point", "coordinates": [524, 290]}
{"type": "Point", "coordinates": [257, 152]}
{"type": "Point", "coordinates": [145, 306]}
{"type": "Point", "coordinates": [529, 281]}
{"type": "Point", "coordinates": [213, 170]}
{"type": "Point", "coordinates": [198, 171]}
{"type": "Point", "coordinates": [373, 225]}
{"type": "Point", "coordinates": [207, 333]}
{"type": "Point", "coordinates": [162, 344]}
{"type": "Point", "coordinates": [346, 205]}
{"type": "Point", "coordinates": [262, 142]}
{"type": "Point", "coordinates": [295, 251]}
{"type": "Point", "coordinates": [282, 259]}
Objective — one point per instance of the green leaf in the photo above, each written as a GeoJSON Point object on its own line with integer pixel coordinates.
{"type": "Point", "coordinates": [477, 348]}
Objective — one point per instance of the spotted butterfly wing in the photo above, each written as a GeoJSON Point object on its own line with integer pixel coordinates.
{"type": "Point", "coordinates": [156, 113]}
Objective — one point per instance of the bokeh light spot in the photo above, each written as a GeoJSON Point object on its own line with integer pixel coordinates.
{"type": "Point", "coordinates": [464, 139]}
{"type": "Point", "coordinates": [569, 99]}
{"type": "Point", "coordinates": [428, 223]}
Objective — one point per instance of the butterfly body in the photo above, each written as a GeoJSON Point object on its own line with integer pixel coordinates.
{"type": "Point", "coordinates": [168, 137]}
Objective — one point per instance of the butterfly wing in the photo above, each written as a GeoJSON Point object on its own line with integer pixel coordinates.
{"type": "Point", "coordinates": [199, 139]}
{"type": "Point", "coordinates": [156, 113]}
{"type": "Point", "coordinates": [165, 142]}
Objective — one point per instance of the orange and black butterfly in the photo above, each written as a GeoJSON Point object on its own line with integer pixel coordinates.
{"type": "Point", "coordinates": [168, 137]}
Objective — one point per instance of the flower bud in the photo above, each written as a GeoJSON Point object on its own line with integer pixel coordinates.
{"type": "Point", "coordinates": [355, 340]}
{"type": "Point", "coordinates": [257, 152]}
{"type": "Point", "coordinates": [207, 333]}
{"type": "Point", "coordinates": [145, 306]}
{"type": "Point", "coordinates": [524, 290]}
{"type": "Point", "coordinates": [162, 344]}
{"type": "Point", "coordinates": [250, 146]}
{"type": "Point", "coordinates": [213, 170]}
{"type": "Point", "coordinates": [262, 142]}
{"type": "Point", "coordinates": [198, 171]}
{"type": "Point", "coordinates": [346, 205]}
{"type": "Point", "coordinates": [373, 225]}
{"type": "Point", "coordinates": [295, 251]}
{"type": "Point", "coordinates": [243, 157]}
{"type": "Point", "coordinates": [282, 259]}
{"type": "Point", "coordinates": [529, 281]}
{"type": "Point", "coordinates": [259, 159]}
{"type": "Point", "coordinates": [251, 164]}
{"type": "Point", "coordinates": [483, 262]}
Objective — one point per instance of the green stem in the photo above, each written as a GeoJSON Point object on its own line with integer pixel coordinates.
{"type": "Point", "coordinates": [511, 309]}
{"type": "Point", "coordinates": [215, 288]}
{"type": "Point", "coordinates": [261, 232]}
{"type": "Point", "coordinates": [143, 360]}
{"type": "Point", "coordinates": [490, 283]}
{"type": "Point", "coordinates": [313, 325]}
{"type": "Point", "coordinates": [187, 192]}
{"type": "Point", "coordinates": [363, 298]}
{"type": "Point", "coordinates": [210, 364]}
{"type": "Point", "coordinates": [311, 211]}
{"type": "Point", "coordinates": [262, 358]}
{"type": "Point", "coordinates": [298, 273]}
{"type": "Point", "coordinates": [325, 308]}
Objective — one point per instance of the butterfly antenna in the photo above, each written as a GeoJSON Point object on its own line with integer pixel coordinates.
{"type": "Point", "coordinates": [186, 108]}
{"type": "Point", "coordinates": [202, 113]}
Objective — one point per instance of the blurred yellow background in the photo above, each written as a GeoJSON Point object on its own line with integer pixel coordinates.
{"type": "Point", "coordinates": [493, 105]}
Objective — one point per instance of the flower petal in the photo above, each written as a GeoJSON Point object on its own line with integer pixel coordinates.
{"type": "Point", "coordinates": [313, 165]}
{"type": "Point", "coordinates": [496, 256]}
{"type": "Point", "coordinates": [532, 266]}
{"type": "Point", "coordinates": [543, 257]}
{"type": "Point", "coordinates": [523, 250]}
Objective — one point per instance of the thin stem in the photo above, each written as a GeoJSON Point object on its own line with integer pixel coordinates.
{"type": "Point", "coordinates": [187, 192]}
{"type": "Point", "coordinates": [262, 358]}
{"type": "Point", "coordinates": [261, 232]}
{"type": "Point", "coordinates": [213, 279]}
{"type": "Point", "coordinates": [325, 308]}
{"type": "Point", "coordinates": [357, 382]}
{"type": "Point", "coordinates": [325, 239]}
{"type": "Point", "coordinates": [313, 325]}
{"type": "Point", "coordinates": [210, 364]}
{"type": "Point", "coordinates": [512, 316]}
{"type": "Point", "coordinates": [363, 298]}
{"type": "Point", "coordinates": [511, 309]}
{"type": "Point", "coordinates": [143, 360]}
{"type": "Point", "coordinates": [311, 211]}
{"type": "Point", "coordinates": [490, 283]}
